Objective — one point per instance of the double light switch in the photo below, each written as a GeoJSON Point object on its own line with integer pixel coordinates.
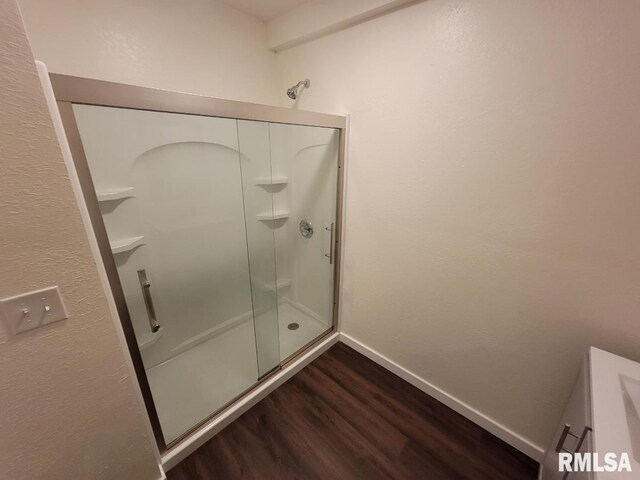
{"type": "Point", "coordinates": [34, 309]}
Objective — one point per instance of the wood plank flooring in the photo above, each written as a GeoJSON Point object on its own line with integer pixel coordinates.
{"type": "Point", "coordinates": [345, 417]}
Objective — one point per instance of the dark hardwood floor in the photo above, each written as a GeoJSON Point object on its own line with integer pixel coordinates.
{"type": "Point", "coordinates": [345, 417]}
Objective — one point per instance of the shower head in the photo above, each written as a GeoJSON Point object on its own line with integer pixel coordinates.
{"type": "Point", "coordinates": [293, 91]}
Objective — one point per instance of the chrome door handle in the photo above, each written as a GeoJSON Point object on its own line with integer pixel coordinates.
{"type": "Point", "coordinates": [148, 300]}
{"type": "Point", "coordinates": [332, 245]}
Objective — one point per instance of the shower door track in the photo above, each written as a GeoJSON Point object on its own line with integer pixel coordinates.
{"type": "Point", "coordinates": [69, 90]}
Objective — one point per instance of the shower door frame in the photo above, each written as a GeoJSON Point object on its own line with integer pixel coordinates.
{"type": "Point", "coordinates": [69, 90]}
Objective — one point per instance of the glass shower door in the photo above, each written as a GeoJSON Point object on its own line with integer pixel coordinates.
{"type": "Point", "coordinates": [292, 241]}
{"type": "Point", "coordinates": [290, 178]}
{"type": "Point", "coordinates": [304, 163]}
{"type": "Point", "coordinates": [258, 188]}
{"type": "Point", "coordinates": [170, 190]}
{"type": "Point", "coordinates": [222, 233]}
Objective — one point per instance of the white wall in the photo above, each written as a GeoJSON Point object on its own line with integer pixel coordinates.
{"type": "Point", "coordinates": [315, 18]}
{"type": "Point", "coordinates": [493, 197]}
{"type": "Point", "coordinates": [68, 407]}
{"type": "Point", "coordinates": [198, 46]}
{"type": "Point", "coordinates": [492, 182]}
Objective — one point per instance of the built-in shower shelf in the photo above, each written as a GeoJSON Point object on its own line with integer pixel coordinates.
{"type": "Point", "coordinates": [275, 180]}
{"type": "Point", "coordinates": [114, 194]}
{"type": "Point", "coordinates": [282, 283]}
{"type": "Point", "coordinates": [126, 244]}
{"type": "Point", "coordinates": [269, 217]}
{"type": "Point", "coordinates": [148, 339]}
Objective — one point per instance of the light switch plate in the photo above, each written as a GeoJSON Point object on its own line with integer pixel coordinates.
{"type": "Point", "coordinates": [34, 309]}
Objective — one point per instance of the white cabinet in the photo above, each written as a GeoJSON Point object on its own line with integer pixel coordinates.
{"type": "Point", "coordinates": [574, 434]}
{"type": "Point", "coordinates": [602, 418]}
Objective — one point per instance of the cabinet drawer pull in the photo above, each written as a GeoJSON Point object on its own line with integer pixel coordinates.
{"type": "Point", "coordinates": [566, 431]}
{"type": "Point", "coordinates": [582, 438]}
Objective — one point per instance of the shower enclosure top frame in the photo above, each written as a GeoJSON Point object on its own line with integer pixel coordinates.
{"type": "Point", "coordinates": [110, 94]}
{"type": "Point", "coordinates": [70, 90]}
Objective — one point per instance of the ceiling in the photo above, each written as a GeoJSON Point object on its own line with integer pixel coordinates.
{"type": "Point", "coordinates": [265, 10]}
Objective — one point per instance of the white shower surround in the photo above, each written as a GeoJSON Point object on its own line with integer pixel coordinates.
{"type": "Point", "coordinates": [184, 198]}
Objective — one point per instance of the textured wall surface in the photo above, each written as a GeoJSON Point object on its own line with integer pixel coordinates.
{"type": "Point", "coordinates": [493, 197]}
{"type": "Point", "coordinates": [67, 404]}
{"type": "Point", "coordinates": [315, 18]}
{"type": "Point", "coordinates": [198, 46]}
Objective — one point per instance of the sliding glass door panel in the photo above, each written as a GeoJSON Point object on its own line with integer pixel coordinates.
{"type": "Point", "coordinates": [171, 196]}
{"type": "Point", "coordinates": [223, 235]}
{"type": "Point", "coordinates": [306, 160]}
{"type": "Point", "coordinates": [258, 188]}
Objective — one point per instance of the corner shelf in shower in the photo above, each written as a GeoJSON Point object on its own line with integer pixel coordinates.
{"type": "Point", "coordinates": [269, 217]}
{"type": "Point", "coordinates": [126, 244]}
{"type": "Point", "coordinates": [275, 180]}
{"type": "Point", "coordinates": [114, 194]}
{"type": "Point", "coordinates": [282, 283]}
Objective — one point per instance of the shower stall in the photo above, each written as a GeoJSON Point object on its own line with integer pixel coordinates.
{"type": "Point", "coordinates": [218, 224]}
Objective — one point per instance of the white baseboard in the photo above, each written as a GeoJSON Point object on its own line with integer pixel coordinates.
{"type": "Point", "coordinates": [533, 451]}
{"type": "Point", "coordinates": [207, 431]}
{"type": "Point", "coordinates": [178, 453]}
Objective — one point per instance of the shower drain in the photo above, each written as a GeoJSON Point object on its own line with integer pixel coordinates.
{"type": "Point", "coordinates": [293, 326]}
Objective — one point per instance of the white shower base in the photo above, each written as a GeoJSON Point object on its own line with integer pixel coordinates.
{"type": "Point", "coordinates": [190, 386]}
{"type": "Point", "coordinates": [293, 340]}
